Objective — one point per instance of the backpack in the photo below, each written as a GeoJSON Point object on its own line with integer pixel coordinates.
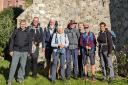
{"type": "Point", "coordinates": [113, 36]}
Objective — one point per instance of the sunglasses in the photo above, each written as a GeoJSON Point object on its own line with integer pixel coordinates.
{"type": "Point", "coordinates": [86, 27]}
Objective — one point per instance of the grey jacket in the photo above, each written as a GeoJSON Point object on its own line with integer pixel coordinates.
{"type": "Point", "coordinates": [73, 36]}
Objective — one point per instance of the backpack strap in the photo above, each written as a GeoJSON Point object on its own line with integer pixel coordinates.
{"type": "Point", "coordinates": [56, 39]}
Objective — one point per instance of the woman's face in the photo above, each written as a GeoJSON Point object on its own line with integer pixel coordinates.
{"type": "Point", "coordinates": [60, 30]}
{"type": "Point", "coordinates": [73, 26]}
{"type": "Point", "coordinates": [86, 28]}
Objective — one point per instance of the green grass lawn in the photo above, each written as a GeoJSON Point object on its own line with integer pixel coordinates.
{"type": "Point", "coordinates": [42, 80]}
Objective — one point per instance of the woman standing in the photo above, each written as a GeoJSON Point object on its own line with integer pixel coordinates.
{"type": "Point", "coordinates": [59, 43]}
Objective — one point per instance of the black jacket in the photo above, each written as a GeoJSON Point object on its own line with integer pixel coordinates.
{"type": "Point", "coordinates": [37, 35]}
{"type": "Point", "coordinates": [21, 41]}
{"type": "Point", "coordinates": [105, 38]}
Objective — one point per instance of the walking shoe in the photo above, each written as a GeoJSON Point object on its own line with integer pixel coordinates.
{"type": "Point", "coordinates": [104, 79]}
{"type": "Point", "coordinates": [110, 80]}
{"type": "Point", "coordinates": [93, 78]}
{"type": "Point", "coordinates": [19, 80]}
{"type": "Point", "coordinates": [75, 77]}
{"type": "Point", "coordinates": [53, 82]}
{"type": "Point", "coordinates": [64, 81]}
{"type": "Point", "coordinates": [86, 78]}
{"type": "Point", "coordinates": [68, 78]}
{"type": "Point", "coordinates": [9, 83]}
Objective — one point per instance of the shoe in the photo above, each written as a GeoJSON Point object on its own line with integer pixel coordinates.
{"type": "Point", "coordinates": [75, 77]}
{"type": "Point", "coordinates": [110, 80]}
{"type": "Point", "coordinates": [20, 82]}
{"type": "Point", "coordinates": [35, 76]}
{"type": "Point", "coordinates": [9, 83]}
{"type": "Point", "coordinates": [93, 78]}
{"type": "Point", "coordinates": [86, 78]}
{"type": "Point", "coordinates": [53, 82]}
{"type": "Point", "coordinates": [64, 81]}
{"type": "Point", "coordinates": [104, 79]}
{"type": "Point", "coordinates": [68, 78]}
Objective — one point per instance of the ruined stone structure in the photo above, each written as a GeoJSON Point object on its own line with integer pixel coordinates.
{"type": "Point", "coordinates": [89, 11]}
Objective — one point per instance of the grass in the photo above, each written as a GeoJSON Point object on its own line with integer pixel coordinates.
{"type": "Point", "coordinates": [42, 80]}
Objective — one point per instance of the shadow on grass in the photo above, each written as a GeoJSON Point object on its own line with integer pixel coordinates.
{"type": "Point", "coordinates": [4, 71]}
{"type": "Point", "coordinates": [41, 70]}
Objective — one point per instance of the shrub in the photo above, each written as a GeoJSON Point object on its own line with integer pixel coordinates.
{"type": "Point", "coordinates": [6, 26]}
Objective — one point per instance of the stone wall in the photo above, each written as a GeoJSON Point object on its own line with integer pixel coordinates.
{"type": "Point", "coordinates": [89, 11]}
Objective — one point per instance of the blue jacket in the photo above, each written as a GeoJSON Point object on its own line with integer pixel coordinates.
{"type": "Point", "coordinates": [48, 37]}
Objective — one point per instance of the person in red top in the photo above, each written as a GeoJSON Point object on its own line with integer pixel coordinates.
{"type": "Point", "coordinates": [88, 44]}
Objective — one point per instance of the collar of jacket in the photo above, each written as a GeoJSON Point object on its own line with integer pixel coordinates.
{"type": "Point", "coordinates": [22, 30]}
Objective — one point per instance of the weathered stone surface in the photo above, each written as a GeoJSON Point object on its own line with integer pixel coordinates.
{"type": "Point", "coordinates": [89, 11]}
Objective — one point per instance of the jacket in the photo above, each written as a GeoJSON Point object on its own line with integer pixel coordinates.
{"type": "Point", "coordinates": [21, 41]}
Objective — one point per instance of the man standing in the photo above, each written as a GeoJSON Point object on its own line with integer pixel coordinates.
{"type": "Point", "coordinates": [88, 45]}
{"type": "Point", "coordinates": [37, 37]}
{"type": "Point", "coordinates": [20, 47]}
{"type": "Point", "coordinates": [105, 50]}
{"type": "Point", "coordinates": [72, 49]}
{"type": "Point", "coordinates": [51, 29]}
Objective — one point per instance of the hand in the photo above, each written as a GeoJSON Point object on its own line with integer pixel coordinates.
{"type": "Point", "coordinates": [28, 54]}
{"type": "Point", "coordinates": [61, 46]}
{"type": "Point", "coordinates": [11, 53]}
{"type": "Point", "coordinates": [109, 55]}
{"type": "Point", "coordinates": [43, 49]}
{"type": "Point", "coordinates": [88, 47]}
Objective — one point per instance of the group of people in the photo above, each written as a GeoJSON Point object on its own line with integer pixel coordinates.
{"type": "Point", "coordinates": [76, 44]}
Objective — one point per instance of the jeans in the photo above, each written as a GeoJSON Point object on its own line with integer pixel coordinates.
{"type": "Point", "coordinates": [106, 62]}
{"type": "Point", "coordinates": [18, 57]}
{"type": "Point", "coordinates": [56, 56]}
{"type": "Point", "coordinates": [74, 53]}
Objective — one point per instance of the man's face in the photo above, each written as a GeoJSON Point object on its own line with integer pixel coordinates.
{"type": "Point", "coordinates": [81, 26]}
{"type": "Point", "coordinates": [36, 21]}
{"type": "Point", "coordinates": [52, 22]}
{"type": "Point", "coordinates": [102, 27]}
{"type": "Point", "coordinates": [23, 25]}
{"type": "Point", "coordinates": [73, 26]}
